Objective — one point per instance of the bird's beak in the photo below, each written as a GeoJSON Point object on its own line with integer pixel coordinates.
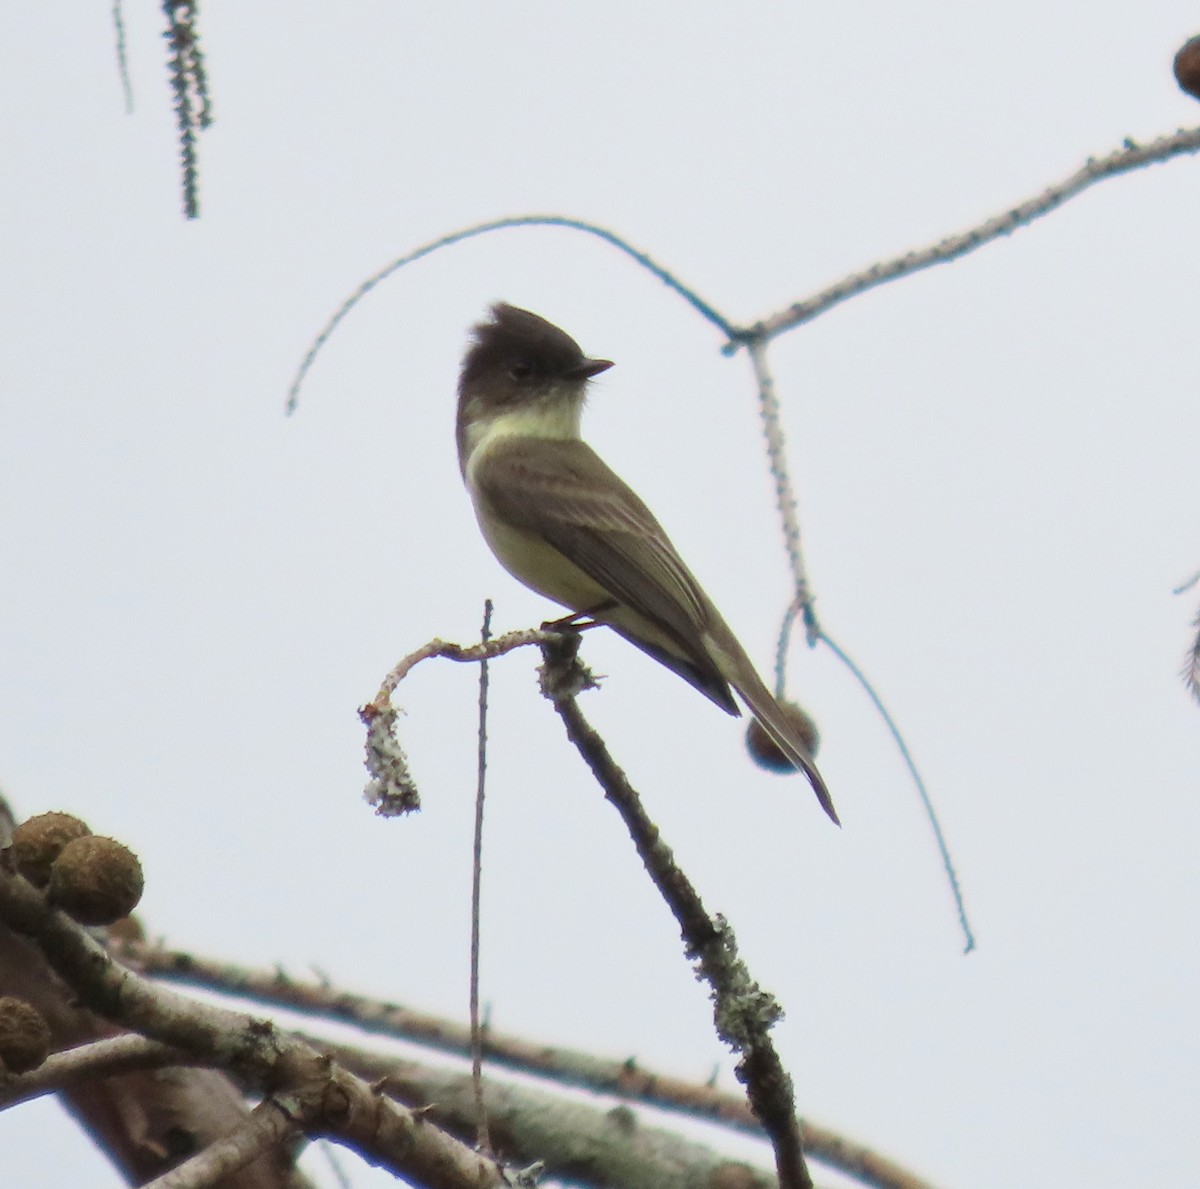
{"type": "Point", "coordinates": [588, 368]}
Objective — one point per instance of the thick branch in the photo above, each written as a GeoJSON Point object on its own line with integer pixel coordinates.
{"type": "Point", "coordinates": [265, 1129]}
{"type": "Point", "coordinates": [624, 1079]}
{"type": "Point", "coordinates": [579, 1142]}
{"type": "Point", "coordinates": [317, 1096]}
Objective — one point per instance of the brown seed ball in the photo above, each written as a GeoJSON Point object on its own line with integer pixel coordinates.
{"type": "Point", "coordinates": [24, 1036]}
{"type": "Point", "coordinates": [764, 751]}
{"type": "Point", "coordinates": [95, 880]}
{"type": "Point", "coordinates": [1187, 67]}
{"type": "Point", "coordinates": [36, 843]}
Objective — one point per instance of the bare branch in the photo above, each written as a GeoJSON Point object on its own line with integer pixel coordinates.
{"type": "Point", "coordinates": [458, 652]}
{"type": "Point", "coordinates": [1129, 157]}
{"type": "Point", "coordinates": [139, 1118]}
{"type": "Point", "coordinates": [624, 1079]}
{"type": "Point", "coordinates": [392, 789]}
{"type": "Point", "coordinates": [267, 1127]}
{"type": "Point", "coordinates": [579, 1142]}
{"type": "Point", "coordinates": [316, 1095]}
{"type": "Point", "coordinates": [785, 499]}
{"type": "Point", "coordinates": [189, 87]}
{"type": "Point", "coordinates": [742, 1011]}
{"type": "Point", "coordinates": [99, 1059]}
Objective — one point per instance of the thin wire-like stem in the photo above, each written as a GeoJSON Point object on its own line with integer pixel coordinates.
{"type": "Point", "coordinates": [482, 1139]}
{"type": "Point", "coordinates": [1129, 157]}
{"type": "Point", "coordinates": [1184, 587]}
{"type": "Point", "coordinates": [918, 782]}
{"type": "Point", "coordinates": [802, 605]}
{"type": "Point", "coordinates": [118, 19]}
{"type": "Point", "coordinates": [704, 308]}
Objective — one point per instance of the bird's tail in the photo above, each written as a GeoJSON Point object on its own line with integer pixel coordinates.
{"type": "Point", "coordinates": [783, 732]}
{"type": "Point", "coordinates": [736, 667]}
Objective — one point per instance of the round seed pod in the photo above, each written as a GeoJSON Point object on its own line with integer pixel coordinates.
{"type": "Point", "coordinates": [1187, 67]}
{"type": "Point", "coordinates": [38, 841]}
{"type": "Point", "coordinates": [24, 1036]}
{"type": "Point", "coordinates": [95, 880]}
{"type": "Point", "coordinates": [765, 752]}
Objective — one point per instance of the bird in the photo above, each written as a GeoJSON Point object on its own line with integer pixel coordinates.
{"type": "Point", "coordinates": [568, 527]}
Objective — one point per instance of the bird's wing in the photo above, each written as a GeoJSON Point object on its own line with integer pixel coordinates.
{"type": "Point", "coordinates": [562, 492]}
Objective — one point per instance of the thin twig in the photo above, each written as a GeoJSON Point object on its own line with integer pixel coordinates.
{"type": "Point", "coordinates": [118, 18]}
{"type": "Point", "coordinates": [1191, 667]}
{"type": "Point", "coordinates": [482, 1140]}
{"type": "Point", "coordinates": [803, 605]}
{"type": "Point", "coordinates": [1129, 157]}
{"type": "Point", "coordinates": [918, 782]}
{"type": "Point", "coordinates": [189, 87]}
{"type": "Point", "coordinates": [742, 1011]}
{"type": "Point", "coordinates": [785, 495]}
{"type": "Point", "coordinates": [1184, 587]}
{"type": "Point", "coordinates": [521, 638]}
{"type": "Point", "coordinates": [704, 308]}
{"type": "Point", "coordinates": [392, 788]}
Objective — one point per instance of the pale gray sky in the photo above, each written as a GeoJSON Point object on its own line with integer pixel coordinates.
{"type": "Point", "coordinates": [996, 463]}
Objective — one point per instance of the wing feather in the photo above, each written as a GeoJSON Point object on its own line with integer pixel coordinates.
{"type": "Point", "coordinates": [563, 492]}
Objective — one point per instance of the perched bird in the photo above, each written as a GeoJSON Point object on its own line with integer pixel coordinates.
{"type": "Point", "coordinates": [558, 519]}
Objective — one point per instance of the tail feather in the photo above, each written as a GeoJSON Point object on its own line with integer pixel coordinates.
{"type": "Point", "coordinates": [766, 709]}
{"type": "Point", "coordinates": [715, 662]}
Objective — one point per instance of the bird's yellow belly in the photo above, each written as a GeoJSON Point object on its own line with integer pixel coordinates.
{"type": "Point", "coordinates": [541, 567]}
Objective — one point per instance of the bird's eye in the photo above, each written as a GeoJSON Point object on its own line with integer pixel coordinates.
{"type": "Point", "coordinates": [521, 371]}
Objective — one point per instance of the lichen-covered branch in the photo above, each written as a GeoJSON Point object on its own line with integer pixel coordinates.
{"type": "Point", "coordinates": [742, 1011]}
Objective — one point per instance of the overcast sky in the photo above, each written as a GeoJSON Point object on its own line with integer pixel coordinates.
{"type": "Point", "coordinates": [996, 463]}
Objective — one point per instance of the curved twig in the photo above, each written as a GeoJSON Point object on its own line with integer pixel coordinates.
{"type": "Point", "coordinates": [918, 782]}
{"type": "Point", "coordinates": [704, 308]}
